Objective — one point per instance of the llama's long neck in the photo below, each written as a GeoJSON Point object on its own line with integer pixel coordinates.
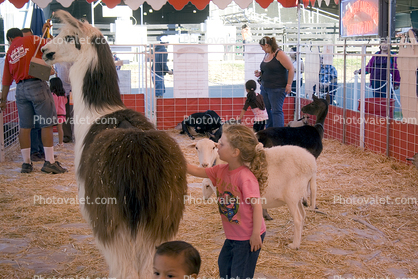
{"type": "Point", "coordinates": [95, 90]}
{"type": "Point", "coordinates": [320, 118]}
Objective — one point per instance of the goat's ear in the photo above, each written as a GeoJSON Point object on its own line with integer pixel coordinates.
{"type": "Point", "coordinates": [327, 98]}
{"type": "Point", "coordinates": [314, 97]}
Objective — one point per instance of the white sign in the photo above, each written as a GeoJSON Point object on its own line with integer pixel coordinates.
{"type": "Point", "coordinates": [124, 81]}
{"type": "Point", "coordinates": [118, 11]}
{"type": "Point", "coordinates": [190, 71]}
{"type": "Point", "coordinates": [312, 72]}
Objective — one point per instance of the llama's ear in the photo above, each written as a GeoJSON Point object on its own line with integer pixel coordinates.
{"type": "Point", "coordinates": [314, 97]}
{"type": "Point", "coordinates": [67, 18]}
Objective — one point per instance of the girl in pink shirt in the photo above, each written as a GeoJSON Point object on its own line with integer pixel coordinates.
{"type": "Point", "coordinates": [238, 189]}
{"type": "Point", "coordinates": [255, 101]}
{"type": "Point", "coordinates": [58, 93]}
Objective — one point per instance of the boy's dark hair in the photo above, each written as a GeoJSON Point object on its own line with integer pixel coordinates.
{"type": "Point", "coordinates": [26, 30]}
{"type": "Point", "coordinates": [244, 26]}
{"type": "Point", "coordinates": [175, 248]}
{"type": "Point", "coordinates": [55, 85]}
{"type": "Point", "coordinates": [293, 48]}
{"type": "Point", "coordinates": [13, 33]}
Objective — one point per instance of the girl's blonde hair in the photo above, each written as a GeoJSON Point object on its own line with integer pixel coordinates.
{"type": "Point", "coordinates": [251, 151]}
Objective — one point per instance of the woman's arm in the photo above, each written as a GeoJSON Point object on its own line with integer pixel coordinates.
{"type": "Point", "coordinates": [255, 240]}
{"type": "Point", "coordinates": [287, 63]}
{"type": "Point", "coordinates": [196, 171]}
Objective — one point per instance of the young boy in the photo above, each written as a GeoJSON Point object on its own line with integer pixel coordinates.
{"type": "Point", "coordinates": [176, 259]}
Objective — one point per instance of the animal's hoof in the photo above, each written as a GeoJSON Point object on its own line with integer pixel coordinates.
{"type": "Point", "coordinates": [293, 246]}
{"type": "Point", "coordinates": [266, 215]}
{"type": "Point", "coordinates": [267, 218]}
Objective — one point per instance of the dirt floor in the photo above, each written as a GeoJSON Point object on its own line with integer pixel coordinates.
{"type": "Point", "coordinates": [365, 226]}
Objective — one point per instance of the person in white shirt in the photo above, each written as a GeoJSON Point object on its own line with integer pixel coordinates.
{"type": "Point", "coordinates": [301, 68]}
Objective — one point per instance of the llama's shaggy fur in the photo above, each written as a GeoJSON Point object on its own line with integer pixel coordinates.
{"type": "Point", "coordinates": [291, 175]}
{"type": "Point", "coordinates": [118, 155]}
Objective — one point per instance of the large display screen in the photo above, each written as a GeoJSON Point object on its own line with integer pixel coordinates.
{"type": "Point", "coordinates": [359, 18]}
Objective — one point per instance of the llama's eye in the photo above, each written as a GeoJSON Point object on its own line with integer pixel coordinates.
{"type": "Point", "coordinates": [197, 148]}
{"type": "Point", "coordinates": [69, 38]}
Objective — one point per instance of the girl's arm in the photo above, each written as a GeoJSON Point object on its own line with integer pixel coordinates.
{"type": "Point", "coordinates": [255, 240]}
{"type": "Point", "coordinates": [241, 115]}
{"type": "Point", "coordinates": [196, 171]}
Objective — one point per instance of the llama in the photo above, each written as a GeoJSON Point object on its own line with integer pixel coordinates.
{"type": "Point", "coordinates": [118, 154]}
{"type": "Point", "coordinates": [291, 175]}
{"type": "Point", "coordinates": [306, 136]}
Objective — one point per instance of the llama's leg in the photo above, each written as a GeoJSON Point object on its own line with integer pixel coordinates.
{"type": "Point", "coordinates": [128, 258]}
{"type": "Point", "coordinates": [266, 215]}
{"type": "Point", "coordinates": [82, 195]}
{"type": "Point", "coordinates": [313, 191]}
{"type": "Point", "coordinates": [298, 221]}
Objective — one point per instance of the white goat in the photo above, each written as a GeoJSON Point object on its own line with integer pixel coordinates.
{"type": "Point", "coordinates": [291, 174]}
{"type": "Point", "coordinates": [208, 157]}
{"type": "Point", "coordinates": [304, 120]}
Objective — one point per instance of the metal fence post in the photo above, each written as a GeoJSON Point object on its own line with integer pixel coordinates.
{"type": "Point", "coordinates": [362, 94]}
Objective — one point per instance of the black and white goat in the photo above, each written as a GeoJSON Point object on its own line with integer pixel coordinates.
{"type": "Point", "coordinates": [118, 155]}
{"type": "Point", "coordinates": [206, 123]}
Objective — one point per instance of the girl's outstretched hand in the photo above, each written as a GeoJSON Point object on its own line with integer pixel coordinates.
{"type": "Point", "coordinates": [255, 242]}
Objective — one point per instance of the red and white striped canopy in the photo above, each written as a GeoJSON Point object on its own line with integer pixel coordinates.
{"type": "Point", "coordinates": [177, 4]}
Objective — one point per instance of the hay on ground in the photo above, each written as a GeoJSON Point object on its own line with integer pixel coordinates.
{"type": "Point", "coordinates": [359, 228]}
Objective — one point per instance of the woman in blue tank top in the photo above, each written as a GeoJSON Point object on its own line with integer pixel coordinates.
{"type": "Point", "coordinates": [276, 80]}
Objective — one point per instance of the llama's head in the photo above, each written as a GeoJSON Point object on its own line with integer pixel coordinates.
{"type": "Point", "coordinates": [75, 39]}
{"type": "Point", "coordinates": [95, 75]}
{"type": "Point", "coordinates": [318, 107]}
